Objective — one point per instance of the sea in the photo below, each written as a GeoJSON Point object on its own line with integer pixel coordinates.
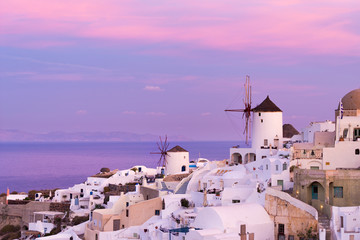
{"type": "Point", "coordinates": [37, 166]}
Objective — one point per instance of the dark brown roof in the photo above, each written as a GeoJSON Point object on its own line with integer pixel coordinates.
{"type": "Point", "coordinates": [177, 148]}
{"type": "Point", "coordinates": [289, 131]}
{"type": "Point", "coordinates": [267, 106]}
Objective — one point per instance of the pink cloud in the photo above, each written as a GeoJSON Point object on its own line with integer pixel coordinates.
{"type": "Point", "coordinates": [313, 28]}
{"type": "Point", "coordinates": [153, 88]}
{"type": "Point", "coordinates": [81, 112]}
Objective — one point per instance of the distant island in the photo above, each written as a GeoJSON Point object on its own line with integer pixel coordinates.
{"type": "Point", "coordinates": [60, 136]}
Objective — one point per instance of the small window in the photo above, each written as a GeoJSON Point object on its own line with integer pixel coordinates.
{"type": "Point", "coordinates": [281, 229]}
{"type": "Point", "coordinates": [183, 168]}
{"type": "Point", "coordinates": [127, 204]}
{"type": "Point", "coordinates": [263, 157]}
{"type": "Point", "coordinates": [127, 212]}
{"type": "Point", "coordinates": [312, 153]}
{"type": "Point", "coordinates": [338, 192]}
{"type": "Point", "coordinates": [357, 151]}
{"type": "Point", "coordinates": [314, 167]}
{"type": "Point", "coordinates": [267, 167]}
{"type": "Point", "coordinates": [116, 224]}
{"type": "Point", "coordinates": [277, 167]}
{"type": "Point", "coordinates": [291, 237]}
{"type": "Point", "coordinates": [345, 132]}
{"type": "Point", "coordinates": [284, 166]}
{"type": "Point", "coordinates": [157, 212]}
{"type": "Point", "coordinates": [356, 134]}
{"type": "Point", "coordinates": [236, 201]}
{"type": "Point", "coordinates": [262, 120]}
{"type": "Point", "coordinates": [259, 114]}
{"type": "Point", "coordinates": [265, 142]}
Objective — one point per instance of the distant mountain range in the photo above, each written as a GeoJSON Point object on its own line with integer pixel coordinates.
{"type": "Point", "coordinates": [59, 136]}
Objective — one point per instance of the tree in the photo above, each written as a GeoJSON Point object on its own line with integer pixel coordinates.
{"type": "Point", "coordinates": [105, 170]}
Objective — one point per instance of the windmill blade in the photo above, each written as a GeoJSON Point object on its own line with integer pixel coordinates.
{"type": "Point", "coordinates": [161, 142]}
{"type": "Point", "coordinates": [158, 146]}
{"type": "Point", "coordinates": [234, 110]}
{"type": "Point", "coordinates": [155, 152]}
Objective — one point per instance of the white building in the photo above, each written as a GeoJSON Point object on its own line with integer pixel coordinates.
{"type": "Point", "coordinates": [177, 161]}
{"type": "Point", "coordinates": [44, 221]}
{"type": "Point", "coordinates": [337, 149]}
{"type": "Point", "coordinates": [346, 223]}
{"type": "Point", "coordinates": [226, 222]}
{"type": "Point", "coordinates": [309, 131]}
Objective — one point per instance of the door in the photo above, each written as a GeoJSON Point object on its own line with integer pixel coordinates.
{"type": "Point", "coordinates": [314, 192]}
{"type": "Point", "coordinates": [280, 183]}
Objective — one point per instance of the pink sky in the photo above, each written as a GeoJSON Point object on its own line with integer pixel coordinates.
{"type": "Point", "coordinates": [172, 66]}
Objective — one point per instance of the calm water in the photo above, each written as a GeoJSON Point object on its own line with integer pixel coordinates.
{"type": "Point", "coordinates": [27, 166]}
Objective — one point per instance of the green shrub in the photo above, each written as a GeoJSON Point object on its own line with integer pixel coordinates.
{"type": "Point", "coordinates": [99, 206]}
{"type": "Point", "coordinates": [184, 202]}
{"type": "Point", "coordinates": [9, 229]}
{"type": "Point", "coordinates": [13, 235]}
{"type": "Point", "coordinates": [292, 168]}
{"type": "Point", "coordinates": [106, 189]}
{"type": "Point", "coordinates": [77, 220]}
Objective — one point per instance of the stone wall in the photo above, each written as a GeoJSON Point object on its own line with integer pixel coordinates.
{"type": "Point", "coordinates": [59, 207]}
{"type": "Point", "coordinates": [20, 214]}
{"type": "Point", "coordinates": [291, 214]}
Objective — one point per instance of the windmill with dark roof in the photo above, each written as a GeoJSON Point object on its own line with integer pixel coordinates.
{"type": "Point", "coordinates": [163, 147]}
{"type": "Point", "coordinates": [265, 121]}
{"type": "Point", "coordinates": [173, 161]}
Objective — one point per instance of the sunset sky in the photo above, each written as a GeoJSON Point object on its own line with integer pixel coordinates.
{"type": "Point", "coordinates": [172, 67]}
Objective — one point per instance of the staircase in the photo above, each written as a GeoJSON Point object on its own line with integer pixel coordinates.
{"type": "Point", "coordinates": [324, 222]}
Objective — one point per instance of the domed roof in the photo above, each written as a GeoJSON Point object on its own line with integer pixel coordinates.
{"type": "Point", "coordinates": [351, 101]}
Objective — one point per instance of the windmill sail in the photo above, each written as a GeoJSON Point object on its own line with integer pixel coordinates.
{"type": "Point", "coordinates": [246, 110]}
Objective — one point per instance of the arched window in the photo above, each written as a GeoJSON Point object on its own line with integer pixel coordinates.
{"type": "Point", "coordinates": [357, 151]}
{"type": "Point", "coordinates": [183, 168]}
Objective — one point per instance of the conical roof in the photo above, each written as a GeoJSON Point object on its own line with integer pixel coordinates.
{"type": "Point", "coordinates": [177, 148]}
{"type": "Point", "coordinates": [289, 131]}
{"type": "Point", "coordinates": [266, 106]}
